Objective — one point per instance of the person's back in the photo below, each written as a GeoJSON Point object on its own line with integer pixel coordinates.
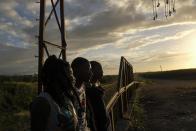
{"type": "Point", "coordinates": [52, 109]}
{"type": "Point", "coordinates": [95, 99]}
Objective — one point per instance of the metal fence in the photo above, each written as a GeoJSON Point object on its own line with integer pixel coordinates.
{"type": "Point", "coordinates": [118, 105]}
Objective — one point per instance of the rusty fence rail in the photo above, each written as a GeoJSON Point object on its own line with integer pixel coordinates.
{"type": "Point", "coordinates": [118, 105]}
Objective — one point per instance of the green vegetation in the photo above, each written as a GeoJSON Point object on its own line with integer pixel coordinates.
{"type": "Point", "coordinates": [185, 74]}
{"type": "Point", "coordinates": [137, 112]}
{"type": "Point", "coordinates": [14, 104]}
{"type": "Point", "coordinates": [109, 83]}
{"type": "Point", "coordinates": [109, 79]}
{"type": "Point", "coordinates": [15, 97]}
{"type": "Point", "coordinates": [18, 78]}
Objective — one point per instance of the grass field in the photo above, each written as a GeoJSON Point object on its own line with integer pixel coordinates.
{"type": "Point", "coordinates": [183, 74]}
{"type": "Point", "coordinates": [14, 104]}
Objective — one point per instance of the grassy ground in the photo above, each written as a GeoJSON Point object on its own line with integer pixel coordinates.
{"type": "Point", "coordinates": [14, 104]}
{"type": "Point", "coordinates": [137, 113]}
{"type": "Point", "coordinates": [110, 85]}
{"type": "Point", "coordinates": [183, 74]}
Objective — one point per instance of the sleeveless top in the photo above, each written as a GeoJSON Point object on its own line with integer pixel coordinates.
{"type": "Point", "coordinates": [67, 113]}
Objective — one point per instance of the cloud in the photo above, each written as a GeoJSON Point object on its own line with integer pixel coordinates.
{"type": "Point", "coordinates": [161, 57]}
{"type": "Point", "coordinates": [17, 60]}
{"type": "Point", "coordinates": [93, 28]}
{"type": "Point", "coordinates": [15, 20]}
{"type": "Point", "coordinates": [146, 37]}
{"type": "Point", "coordinates": [99, 27]}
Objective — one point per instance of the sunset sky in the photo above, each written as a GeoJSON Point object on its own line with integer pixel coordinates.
{"type": "Point", "coordinates": [102, 30]}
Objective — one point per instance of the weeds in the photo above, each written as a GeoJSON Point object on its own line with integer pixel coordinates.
{"type": "Point", "coordinates": [137, 113]}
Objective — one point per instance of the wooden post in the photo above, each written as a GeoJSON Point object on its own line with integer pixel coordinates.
{"type": "Point", "coordinates": [112, 120]}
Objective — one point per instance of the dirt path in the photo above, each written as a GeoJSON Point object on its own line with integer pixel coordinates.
{"type": "Point", "coordinates": [169, 105]}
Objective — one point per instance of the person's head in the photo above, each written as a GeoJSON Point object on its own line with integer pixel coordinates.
{"type": "Point", "coordinates": [97, 71]}
{"type": "Point", "coordinates": [57, 77]}
{"type": "Point", "coordinates": [81, 69]}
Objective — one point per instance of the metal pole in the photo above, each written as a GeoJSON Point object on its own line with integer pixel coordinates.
{"type": "Point", "coordinates": [63, 29]}
{"type": "Point", "coordinates": [112, 120]}
{"type": "Point", "coordinates": [41, 46]}
{"type": "Point", "coordinates": [120, 74]}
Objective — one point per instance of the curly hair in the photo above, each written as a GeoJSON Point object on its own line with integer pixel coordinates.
{"type": "Point", "coordinates": [57, 78]}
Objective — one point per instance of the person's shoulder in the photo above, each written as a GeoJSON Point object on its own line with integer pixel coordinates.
{"type": "Point", "coordinates": [99, 89]}
{"type": "Point", "coordinates": [40, 112]}
{"type": "Point", "coordinates": [87, 85]}
{"type": "Point", "coordinates": [39, 103]}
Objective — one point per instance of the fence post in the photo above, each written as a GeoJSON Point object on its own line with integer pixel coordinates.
{"type": "Point", "coordinates": [112, 120]}
{"type": "Point", "coordinates": [125, 93]}
{"type": "Point", "coordinates": [120, 75]}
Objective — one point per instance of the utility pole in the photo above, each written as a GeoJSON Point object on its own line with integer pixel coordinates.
{"type": "Point", "coordinates": [41, 39]}
{"type": "Point", "coordinates": [43, 21]}
{"type": "Point", "coordinates": [161, 68]}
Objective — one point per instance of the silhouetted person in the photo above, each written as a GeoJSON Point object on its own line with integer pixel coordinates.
{"type": "Point", "coordinates": [82, 72]}
{"type": "Point", "coordinates": [53, 109]}
{"type": "Point", "coordinates": [95, 95]}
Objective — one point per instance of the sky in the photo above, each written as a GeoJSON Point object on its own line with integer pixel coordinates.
{"type": "Point", "coordinates": [101, 30]}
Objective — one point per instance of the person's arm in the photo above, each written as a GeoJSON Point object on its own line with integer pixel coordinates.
{"type": "Point", "coordinates": [40, 111]}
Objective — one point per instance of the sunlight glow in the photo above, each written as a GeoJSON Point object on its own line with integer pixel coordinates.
{"type": "Point", "coordinates": [192, 51]}
{"type": "Point", "coordinates": [119, 4]}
